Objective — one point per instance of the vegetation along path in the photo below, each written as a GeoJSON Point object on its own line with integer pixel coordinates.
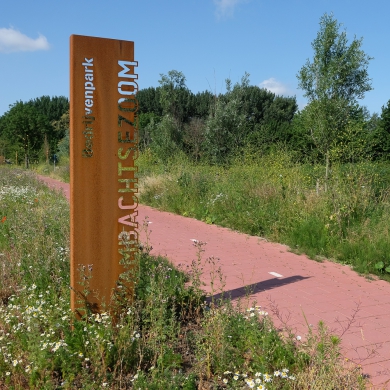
{"type": "Point", "coordinates": [296, 291]}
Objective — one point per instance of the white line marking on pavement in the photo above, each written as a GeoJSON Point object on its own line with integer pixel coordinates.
{"type": "Point", "coordinates": [276, 274]}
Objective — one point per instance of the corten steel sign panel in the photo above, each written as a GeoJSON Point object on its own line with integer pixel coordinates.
{"type": "Point", "coordinates": [103, 185]}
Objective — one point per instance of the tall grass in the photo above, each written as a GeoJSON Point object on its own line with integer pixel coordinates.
{"type": "Point", "coordinates": [273, 197]}
{"type": "Point", "coordinates": [167, 338]}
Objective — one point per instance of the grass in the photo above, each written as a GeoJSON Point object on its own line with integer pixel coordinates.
{"type": "Point", "coordinates": [168, 338]}
{"type": "Point", "coordinates": [59, 172]}
{"type": "Point", "coordinates": [273, 197]}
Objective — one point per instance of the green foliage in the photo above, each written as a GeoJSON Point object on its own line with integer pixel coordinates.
{"type": "Point", "coordinates": [381, 134]}
{"type": "Point", "coordinates": [166, 138]}
{"type": "Point", "coordinates": [174, 95]}
{"type": "Point", "coordinates": [24, 127]}
{"type": "Point", "coordinates": [273, 196]}
{"type": "Point", "coordinates": [34, 128]}
{"type": "Point", "coordinates": [149, 101]}
{"type": "Point", "coordinates": [332, 82]}
{"type": "Point", "coordinates": [246, 116]}
{"type": "Point", "coordinates": [52, 107]}
{"type": "Point", "coordinates": [338, 70]}
{"type": "Point", "coordinates": [227, 126]}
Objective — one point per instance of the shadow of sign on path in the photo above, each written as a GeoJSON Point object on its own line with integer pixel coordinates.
{"type": "Point", "coordinates": [255, 288]}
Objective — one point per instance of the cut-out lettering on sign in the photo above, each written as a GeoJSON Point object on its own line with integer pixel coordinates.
{"type": "Point", "coordinates": [104, 183]}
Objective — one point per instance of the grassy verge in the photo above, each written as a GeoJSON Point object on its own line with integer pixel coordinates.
{"type": "Point", "coordinates": [60, 172]}
{"type": "Point", "coordinates": [168, 338]}
{"type": "Point", "coordinates": [285, 202]}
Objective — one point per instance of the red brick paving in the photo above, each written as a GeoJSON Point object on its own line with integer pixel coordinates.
{"type": "Point", "coordinates": [322, 291]}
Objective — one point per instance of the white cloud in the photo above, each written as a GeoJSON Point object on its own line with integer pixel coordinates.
{"type": "Point", "coordinates": [225, 8]}
{"type": "Point", "coordinates": [13, 40]}
{"type": "Point", "coordinates": [275, 86]}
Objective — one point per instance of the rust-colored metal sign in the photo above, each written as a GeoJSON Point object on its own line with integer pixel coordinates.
{"type": "Point", "coordinates": [103, 182]}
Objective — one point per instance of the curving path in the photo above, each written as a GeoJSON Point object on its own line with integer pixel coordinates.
{"type": "Point", "coordinates": [283, 283]}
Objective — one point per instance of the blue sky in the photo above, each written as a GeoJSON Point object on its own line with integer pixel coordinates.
{"type": "Point", "coordinates": [207, 40]}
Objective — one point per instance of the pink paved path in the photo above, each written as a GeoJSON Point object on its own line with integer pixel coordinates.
{"type": "Point", "coordinates": [323, 291]}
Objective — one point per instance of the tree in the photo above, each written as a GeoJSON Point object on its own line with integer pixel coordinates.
{"type": "Point", "coordinates": [174, 95]}
{"type": "Point", "coordinates": [381, 134]}
{"type": "Point", "coordinates": [332, 82]}
{"type": "Point", "coordinates": [25, 127]}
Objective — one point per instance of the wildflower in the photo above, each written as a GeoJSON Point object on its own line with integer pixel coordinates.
{"type": "Point", "coordinates": [225, 381]}
{"type": "Point", "coordinates": [267, 378]}
{"type": "Point", "coordinates": [284, 375]}
{"type": "Point", "coordinates": [227, 372]}
{"type": "Point", "coordinates": [261, 387]}
{"type": "Point", "coordinates": [291, 377]}
{"type": "Point", "coordinates": [299, 338]}
{"type": "Point", "coordinates": [3, 219]}
{"type": "Point", "coordinates": [8, 373]}
{"type": "Point", "coordinates": [277, 373]}
{"type": "Point", "coordinates": [15, 363]}
{"type": "Point", "coordinates": [235, 377]}
{"type": "Point", "coordinates": [257, 380]}
{"type": "Point", "coordinates": [258, 374]}
{"type": "Point", "coordinates": [80, 354]}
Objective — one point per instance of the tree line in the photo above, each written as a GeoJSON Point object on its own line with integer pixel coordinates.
{"type": "Point", "coordinates": [332, 127]}
{"type": "Point", "coordinates": [214, 128]}
{"type": "Point", "coordinates": [33, 130]}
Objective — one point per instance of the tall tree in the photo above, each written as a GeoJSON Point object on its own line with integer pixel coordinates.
{"type": "Point", "coordinates": [332, 82]}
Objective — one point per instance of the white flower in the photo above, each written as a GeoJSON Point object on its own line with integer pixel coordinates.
{"type": "Point", "coordinates": [299, 338]}
{"type": "Point", "coordinates": [267, 377]}
{"type": "Point", "coordinates": [225, 381]}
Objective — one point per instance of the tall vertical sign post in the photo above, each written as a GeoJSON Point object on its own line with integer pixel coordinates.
{"type": "Point", "coordinates": [103, 182]}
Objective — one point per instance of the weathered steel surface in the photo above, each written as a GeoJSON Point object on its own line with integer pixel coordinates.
{"type": "Point", "coordinates": [103, 147]}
